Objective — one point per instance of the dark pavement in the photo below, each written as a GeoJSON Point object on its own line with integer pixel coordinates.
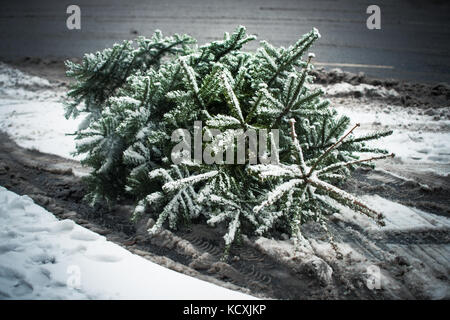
{"type": "Point", "coordinates": [413, 42]}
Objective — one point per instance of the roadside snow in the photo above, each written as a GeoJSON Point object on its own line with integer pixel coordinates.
{"type": "Point", "coordinates": [44, 258]}
{"type": "Point", "coordinates": [39, 125]}
{"type": "Point", "coordinates": [418, 138]}
{"type": "Point", "coordinates": [362, 89]}
{"type": "Point", "coordinates": [400, 217]}
{"type": "Point", "coordinates": [31, 112]}
{"type": "Point", "coordinates": [397, 216]}
{"type": "Point", "coordinates": [16, 84]}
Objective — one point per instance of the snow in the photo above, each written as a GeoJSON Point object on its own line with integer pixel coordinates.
{"type": "Point", "coordinates": [14, 83]}
{"type": "Point", "coordinates": [397, 216]}
{"type": "Point", "coordinates": [32, 113]}
{"type": "Point", "coordinates": [44, 258]}
{"type": "Point", "coordinates": [316, 32]}
{"type": "Point", "coordinates": [417, 139]}
{"type": "Point", "coordinates": [32, 128]}
{"type": "Point", "coordinates": [362, 89]}
{"type": "Point", "coordinates": [362, 256]}
{"type": "Point", "coordinates": [400, 217]}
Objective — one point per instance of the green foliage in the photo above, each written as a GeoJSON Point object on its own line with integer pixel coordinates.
{"type": "Point", "coordinates": [134, 99]}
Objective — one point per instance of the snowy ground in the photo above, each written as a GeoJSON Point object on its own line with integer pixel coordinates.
{"type": "Point", "coordinates": [421, 142]}
{"type": "Point", "coordinates": [32, 113]}
{"type": "Point", "coordinates": [421, 137]}
{"type": "Point", "coordinates": [42, 257]}
{"type": "Point", "coordinates": [418, 138]}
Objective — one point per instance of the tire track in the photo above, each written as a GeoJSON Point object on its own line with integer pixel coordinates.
{"type": "Point", "coordinates": [249, 264]}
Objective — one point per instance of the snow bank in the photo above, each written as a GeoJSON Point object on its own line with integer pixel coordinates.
{"type": "Point", "coordinates": [31, 112]}
{"type": "Point", "coordinates": [400, 217]}
{"type": "Point", "coordinates": [39, 125]}
{"type": "Point", "coordinates": [44, 258]}
{"type": "Point", "coordinates": [18, 85]}
{"type": "Point", "coordinates": [362, 89]}
{"type": "Point", "coordinates": [403, 270]}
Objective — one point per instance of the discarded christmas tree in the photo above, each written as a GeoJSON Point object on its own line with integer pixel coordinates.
{"type": "Point", "coordinates": [136, 98]}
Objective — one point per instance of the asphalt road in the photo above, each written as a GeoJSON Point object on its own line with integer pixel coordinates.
{"type": "Point", "coordinates": [413, 42]}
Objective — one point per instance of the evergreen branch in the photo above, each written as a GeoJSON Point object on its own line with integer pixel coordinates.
{"type": "Point", "coordinates": [346, 198]}
{"type": "Point", "coordinates": [277, 193]}
{"type": "Point", "coordinates": [338, 165]}
{"type": "Point", "coordinates": [256, 104]}
{"type": "Point", "coordinates": [371, 136]}
{"type": "Point", "coordinates": [293, 97]}
{"type": "Point", "coordinates": [271, 170]}
{"type": "Point", "coordinates": [237, 41]}
{"type": "Point", "coordinates": [298, 147]}
{"type": "Point", "coordinates": [299, 86]}
{"type": "Point", "coordinates": [301, 46]}
{"type": "Point", "coordinates": [232, 100]}
{"type": "Point", "coordinates": [323, 155]}
{"type": "Point", "coordinates": [177, 184]}
{"type": "Point", "coordinates": [306, 99]}
{"type": "Point", "coordinates": [192, 82]}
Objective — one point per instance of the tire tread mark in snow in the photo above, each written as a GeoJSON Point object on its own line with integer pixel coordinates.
{"type": "Point", "coordinates": [249, 271]}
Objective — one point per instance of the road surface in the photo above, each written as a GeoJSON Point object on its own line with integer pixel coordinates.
{"type": "Point", "coordinates": [413, 42]}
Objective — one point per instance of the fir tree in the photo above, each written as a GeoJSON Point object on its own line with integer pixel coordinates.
{"type": "Point", "coordinates": [135, 99]}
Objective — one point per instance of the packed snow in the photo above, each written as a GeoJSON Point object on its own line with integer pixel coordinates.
{"type": "Point", "coordinates": [427, 262]}
{"type": "Point", "coordinates": [42, 257]}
